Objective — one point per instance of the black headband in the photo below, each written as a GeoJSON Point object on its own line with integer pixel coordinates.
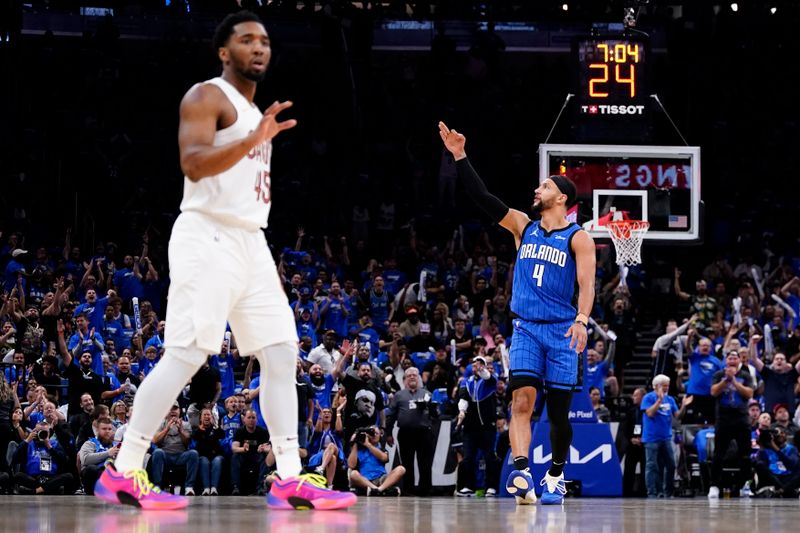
{"type": "Point", "coordinates": [566, 186]}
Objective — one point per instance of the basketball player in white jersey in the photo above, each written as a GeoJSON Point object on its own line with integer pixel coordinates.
{"type": "Point", "coordinates": [221, 270]}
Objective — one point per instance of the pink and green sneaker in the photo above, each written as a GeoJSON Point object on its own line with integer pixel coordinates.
{"type": "Point", "coordinates": [134, 488]}
{"type": "Point", "coordinates": [307, 491]}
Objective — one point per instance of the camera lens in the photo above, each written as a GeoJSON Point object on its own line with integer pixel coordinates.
{"type": "Point", "coordinates": [43, 434]}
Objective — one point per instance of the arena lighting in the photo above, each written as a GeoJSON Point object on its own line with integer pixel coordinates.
{"type": "Point", "coordinates": [564, 7]}
{"type": "Point", "coordinates": [734, 7]}
{"type": "Point", "coordinates": [773, 10]}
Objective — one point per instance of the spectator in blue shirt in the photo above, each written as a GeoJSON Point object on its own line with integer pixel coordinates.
{"type": "Point", "coordinates": [334, 311]}
{"type": "Point", "coordinates": [86, 340]}
{"type": "Point", "coordinates": [380, 304]}
{"type": "Point", "coordinates": [127, 282]}
{"type": "Point", "coordinates": [306, 326]}
{"type": "Point", "coordinates": [659, 409]}
{"type": "Point", "coordinates": [367, 462]}
{"type": "Point", "coordinates": [225, 362]}
{"type": "Point", "coordinates": [94, 309]}
{"type": "Point", "coordinates": [703, 364]}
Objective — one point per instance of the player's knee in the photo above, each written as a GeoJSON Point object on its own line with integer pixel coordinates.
{"type": "Point", "coordinates": [522, 404]}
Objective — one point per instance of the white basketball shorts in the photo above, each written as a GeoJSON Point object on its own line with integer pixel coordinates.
{"type": "Point", "coordinates": [221, 273]}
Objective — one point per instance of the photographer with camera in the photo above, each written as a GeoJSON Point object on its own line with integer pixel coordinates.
{"type": "Point", "coordinates": [733, 387]}
{"type": "Point", "coordinates": [95, 452]}
{"type": "Point", "coordinates": [412, 410]}
{"type": "Point", "coordinates": [43, 464]}
{"type": "Point", "coordinates": [777, 464]}
{"type": "Point", "coordinates": [367, 463]}
{"type": "Point", "coordinates": [477, 412]}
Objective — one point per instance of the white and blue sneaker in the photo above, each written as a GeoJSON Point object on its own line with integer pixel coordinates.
{"type": "Point", "coordinates": [554, 489]}
{"type": "Point", "coordinates": [520, 485]}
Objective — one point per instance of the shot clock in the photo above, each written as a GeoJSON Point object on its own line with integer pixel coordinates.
{"type": "Point", "coordinates": [610, 86]}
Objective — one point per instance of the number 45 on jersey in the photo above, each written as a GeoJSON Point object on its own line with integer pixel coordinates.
{"type": "Point", "coordinates": [263, 186]}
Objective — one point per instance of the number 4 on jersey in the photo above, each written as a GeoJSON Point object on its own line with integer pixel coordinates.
{"type": "Point", "coordinates": [538, 273]}
{"type": "Point", "coordinates": [263, 186]}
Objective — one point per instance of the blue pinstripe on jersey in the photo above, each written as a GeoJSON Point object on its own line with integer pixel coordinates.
{"type": "Point", "coordinates": [545, 275]}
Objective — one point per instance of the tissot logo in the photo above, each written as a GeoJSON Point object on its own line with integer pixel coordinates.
{"type": "Point", "coordinates": [603, 452]}
{"type": "Point", "coordinates": [612, 109]}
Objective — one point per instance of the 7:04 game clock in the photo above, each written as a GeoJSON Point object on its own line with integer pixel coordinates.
{"type": "Point", "coordinates": [612, 78]}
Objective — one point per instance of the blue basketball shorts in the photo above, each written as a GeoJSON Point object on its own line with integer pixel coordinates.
{"type": "Point", "coordinates": [540, 356]}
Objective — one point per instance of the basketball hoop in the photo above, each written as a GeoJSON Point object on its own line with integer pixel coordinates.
{"type": "Point", "coordinates": [627, 236]}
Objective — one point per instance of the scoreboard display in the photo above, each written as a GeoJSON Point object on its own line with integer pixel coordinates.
{"type": "Point", "coordinates": [611, 84]}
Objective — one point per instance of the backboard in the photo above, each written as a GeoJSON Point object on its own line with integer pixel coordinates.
{"type": "Point", "coordinates": [659, 184]}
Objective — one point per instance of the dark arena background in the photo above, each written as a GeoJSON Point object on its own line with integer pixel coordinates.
{"type": "Point", "coordinates": [680, 114]}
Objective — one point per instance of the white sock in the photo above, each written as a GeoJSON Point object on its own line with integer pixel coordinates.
{"type": "Point", "coordinates": [278, 401]}
{"type": "Point", "coordinates": [153, 400]}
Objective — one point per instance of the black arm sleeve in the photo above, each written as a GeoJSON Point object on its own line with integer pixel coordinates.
{"type": "Point", "coordinates": [476, 189]}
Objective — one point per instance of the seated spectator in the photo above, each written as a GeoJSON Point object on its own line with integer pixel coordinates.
{"type": "Point", "coordinates": [89, 429]}
{"type": "Point", "coordinates": [325, 449]}
{"type": "Point", "coordinates": [207, 439]}
{"type": "Point", "coordinates": [777, 464]}
{"type": "Point", "coordinates": [249, 447]}
{"type": "Point", "coordinates": [84, 417]}
{"type": "Point", "coordinates": [95, 452]}
{"type": "Point", "coordinates": [43, 464]}
{"type": "Point", "coordinates": [782, 420]}
{"type": "Point", "coordinates": [764, 423]}
{"type": "Point", "coordinates": [602, 412]}
{"type": "Point", "coordinates": [231, 421]}
{"type": "Point", "coordinates": [172, 448]}
{"type": "Point", "coordinates": [367, 462]}
{"type": "Point", "coordinates": [119, 414]}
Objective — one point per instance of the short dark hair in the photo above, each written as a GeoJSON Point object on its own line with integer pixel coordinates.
{"type": "Point", "coordinates": [224, 31]}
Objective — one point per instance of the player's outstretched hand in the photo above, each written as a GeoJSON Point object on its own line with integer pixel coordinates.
{"type": "Point", "coordinates": [269, 126]}
{"type": "Point", "coordinates": [577, 334]}
{"type": "Point", "coordinates": [453, 141]}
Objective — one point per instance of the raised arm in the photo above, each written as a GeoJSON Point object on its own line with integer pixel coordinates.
{"type": "Point", "coordinates": [511, 219]}
{"type": "Point", "coordinates": [200, 112]}
{"type": "Point", "coordinates": [682, 295]}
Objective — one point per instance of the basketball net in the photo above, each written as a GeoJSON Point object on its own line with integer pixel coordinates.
{"type": "Point", "coordinates": [627, 236]}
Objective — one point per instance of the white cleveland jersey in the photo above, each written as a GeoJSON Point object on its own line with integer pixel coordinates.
{"type": "Point", "coordinates": [241, 195]}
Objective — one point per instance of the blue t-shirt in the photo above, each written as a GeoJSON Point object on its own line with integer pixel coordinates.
{"type": "Point", "coordinates": [595, 376]}
{"type": "Point", "coordinates": [701, 371]}
{"type": "Point", "coordinates": [94, 313]}
{"type": "Point", "coordinates": [659, 427]}
{"type": "Point", "coordinates": [225, 364]}
{"type": "Point", "coordinates": [305, 328]}
{"type": "Point", "coordinates": [393, 281]}
{"type": "Point", "coordinates": [335, 316]}
{"type": "Point", "coordinates": [156, 341]}
{"type": "Point", "coordinates": [370, 336]}
{"type": "Point", "coordinates": [90, 346]}
{"type": "Point", "coordinates": [128, 284]}
{"type": "Point", "coordinates": [368, 465]}
{"type": "Point", "coordinates": [113, 330]}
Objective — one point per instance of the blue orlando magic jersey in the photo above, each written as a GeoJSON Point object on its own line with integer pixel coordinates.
{"type": "Point", "coordinates": [545, 275]}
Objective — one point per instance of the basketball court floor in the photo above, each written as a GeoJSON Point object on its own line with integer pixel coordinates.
{"type": "Point", "coordinates": [419, 515]}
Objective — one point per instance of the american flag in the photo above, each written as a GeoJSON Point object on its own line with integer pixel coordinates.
{"type": "Point", "coordinates": [678, 221]}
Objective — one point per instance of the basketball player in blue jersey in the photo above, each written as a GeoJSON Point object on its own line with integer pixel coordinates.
{"type": "Point", "coordinates": [549, 333]}
{"type": "Point", "coordinates": [221, 271]}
